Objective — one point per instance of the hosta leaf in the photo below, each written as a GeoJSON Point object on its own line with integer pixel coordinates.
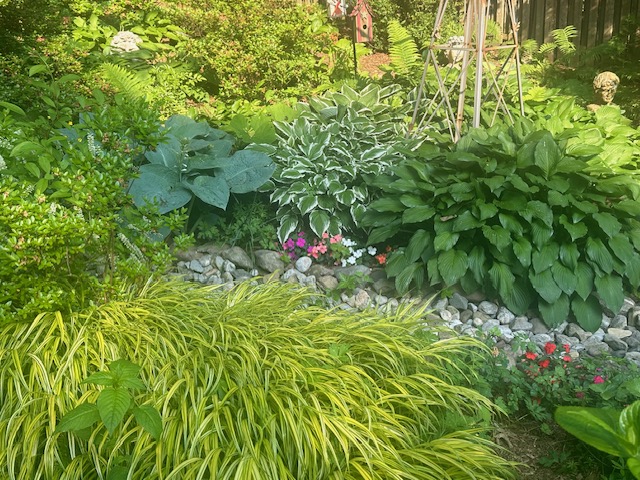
{"type": "Point", "coordinates": [413, 273]}
{"type": "Point", "coordinates": [319, 222]}
{"type": "Point", "coordinates": [418, 214]}
{"type": "Point", "coordinates": [477, 263]}
{"type": "Point", "coordinates": [445, 241]}
{"type": "Point", "coordinates": [519, 298]}
{"type": "Point", "coordinates": [569, 255]}
{"type": "Point", "coordinates": [307, 204]}
{"type": "Point", "coordinates": [381, 234]}
{"type": "Point", "coordinates": [554, 313]}
{"type": "Point", "coordinates": [513, 201]}
{"type": "Point", "coordinates": [519, 184]}
{"type": "Point", "coordinates": [497, 236]}
{"type": "Point", "coordinates": [149, 419]}
{"type": "Point", "coordinates": [545, 257]}
{"type": "Point", "coordinates": [557, 199]}
{"type": "Point", "coordinates": [346, 198]}
{"type": "Point", "coordinates": [621, 247]}
{"type": "Point", "coordinates": [598, 254]}
{"type": "Point", "coordinates": [485, 210]}
{"type": "Point", "coordinates": [452, 265]}
{"type": "Point", "coordinates": [511, 223]}
{"type": "Point", "coordinates": [628, 206]}
{"type": "Point", "coordinates": [388, 204]}
{"type": "Point", "coordinates": [608, 223]}
{"type": "Point", "coordinates": [501, 278]}
{"type": "Point", "coordinates": [412, 200]}
{"type": "Point", "coordinates": [522, 250]}
{"type": "Point", "coordinates": [547, 155]}
{"type": "Point", "coordinates": [586, 207]}
{"type": "Point", "coordinates": [288, 225]}
{"type": "Point", "coordinates": [113, 404]}
{"type": "Point", "coordinates": [540, 233]}
{"type": "Point", "coordinates": [539, 210]}
{"type": "Point", "coordinates": [575, 230]}
{"type": "Point", "coordinates": [584, 275]}
{"type": "Point", "coordinates": [212, 190]}
{"type": "Point", "coordinates": [432, 271]}
{"type": "Point", "coordinates": [609, 287]}
{"type": "Point", "coordinates": [83, 416]}
{"type": "Point", "coordinates": [465, 221]}
{"type": "Point", "coordinates": [545, 285]}
{"type": "Point", "coordinates": [419, 242]}
{"type": "Point", "coordinates": [588, 312]}
{"type": "Point", "coordinates": [565, 278]}
{"type": "Point", "coordinates": [632, 271]}
{"type": "Point", "coordinates": [396, 263]}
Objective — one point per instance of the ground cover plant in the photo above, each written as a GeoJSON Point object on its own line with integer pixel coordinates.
{"type": "Point", "coordinates": [253, 382]}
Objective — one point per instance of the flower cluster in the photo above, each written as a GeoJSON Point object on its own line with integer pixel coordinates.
{"type": "Point", "coordinates": [296, 246]}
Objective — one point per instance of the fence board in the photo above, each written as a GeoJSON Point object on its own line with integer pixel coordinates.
{"type": "Point", "coordinates": [563, 14]}
{"type": "Point", "coordinates": [607, 32]}
{"type": "Point", "coordinates": [592, 23]}
{"type": "Point", "coordinates": [524, 17]}
{"type": "Point", "coordinates": [539, 20]}
{"type": "Point", "coordinates": [550, 18]}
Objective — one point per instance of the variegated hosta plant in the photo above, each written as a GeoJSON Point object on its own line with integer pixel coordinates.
{"type": "Point", "coordinates": [251, 384]}
{"type": "Point", "coordinates": [510, 212]}
{"type": "Point", "coordinates": [322, 157]}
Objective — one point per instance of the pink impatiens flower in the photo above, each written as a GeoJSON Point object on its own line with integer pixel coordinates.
{"type": "Point", "coordinates": [598, 379]}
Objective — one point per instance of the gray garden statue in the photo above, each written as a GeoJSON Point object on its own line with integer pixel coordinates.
{"type": "Point", "coordinates": [604, 88]}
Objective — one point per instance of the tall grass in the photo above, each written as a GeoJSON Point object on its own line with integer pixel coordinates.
{"type": "Point", "coordinates": [251, 384]}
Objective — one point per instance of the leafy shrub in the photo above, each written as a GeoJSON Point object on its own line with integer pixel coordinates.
{"type": "Point", "coordinates": [323, 156]}
{"type": "Point", "coordinates": [513, 213]}
{"type": "Point", "coordinates": [250, 383]}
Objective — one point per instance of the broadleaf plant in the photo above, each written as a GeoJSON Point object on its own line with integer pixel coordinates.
{"type": "Point", "coordinates": [196, 161]}
{"type": "Point", "coordinates": [509, 211]}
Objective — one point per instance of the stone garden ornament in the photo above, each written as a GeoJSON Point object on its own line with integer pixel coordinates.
{"type": "Point", "coordinates": [604, 87]}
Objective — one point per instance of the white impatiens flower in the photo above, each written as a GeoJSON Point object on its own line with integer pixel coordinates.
{"type": "Point", "coordinates": [372, 251]}
{"type": "Point", "coordinates": [3, 164]}
{"type": "Point", "coordinates": [125, 41]}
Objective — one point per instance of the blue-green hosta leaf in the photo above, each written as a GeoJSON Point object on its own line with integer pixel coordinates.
{"type": "Point", "coordinates": [545, 285]}
{"type": "Point", "coordinates": [608, 223]}
{"type": "Point", "coordinates": [497, 236]}
{"type": "Point", "coordinates": [554, 313]}
{"type": "Point", "coordinates": [465, 221]}
{"type": "Point", "coordinates": [501, 278]}
{"type": "Point", "coordinates": [575, 230]}
{"type": "Point", "coordinates": [418, 214]}
{"type": "Point", "coordinates": [452, 265]}
{"type": "Point", "coordinates": [588, 312]}
{"type": "Point", "coordinates": [419, 242]}
{"type": "Point", "coordinates": [569, 255]}
{"type": "Point", "coordinates": [159, 185]}
{"type": "Point", "coordinates": [621, 247]}
{"type": "Point", "coordinates": [246, 170]}
{"type": "Point", "coordinates": [413, 273]}
{"type": "Point", "coordinates": [307, 203]}
{"type": "Point", "coordinates": [113, 404]}
{"type": "Point", "coordinates": [543, 258]}
{"type": "Point", "coordinates": [565, 278]}
{"type": "Point", "coordinates": [597, 427]}
{"type": "Point", "coordinates": [288, 225]}
{"type": "Point", "coordinates": [211, 190]}
{"type": "Point", "coordinates": [167, 153]}
{"type": "Point", "coordinates": [599, 254]}
{"type": "Point", "coordinates": [547, 155]}
{"type": "Point", "coordinates": [83, 416]}
{"type": "Point", "coordinates": [478, 263]}
{"type": "Point", "coordinates": [609, 287]}
{"type": "Point", "coordinates": [149, 419]}
{"type": "Point", "coordinates": [319, 222]}
{"type": "Point", "coordinates": [483, 211]}
{"type": "Point", "coordinates": [584, 276]}
{"type": "Point", "coordinates": [522, 250]}
{"type": "Point", "coordinates": [632, 271]}
{"type": "Point", "coordinates": [445, 241]}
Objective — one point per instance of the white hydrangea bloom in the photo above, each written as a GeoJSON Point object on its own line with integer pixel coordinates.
{"type": "Point", "coordinates": [372, 251]}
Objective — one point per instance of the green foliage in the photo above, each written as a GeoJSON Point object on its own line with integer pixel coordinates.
{"type": "Point", "coordinates": [251, 383]}
{"type": "Point", "coordinates": [323, 156]}
{"type": "Point", "coordinates": [113, 402]}
{"type": "Point", "coordinates": [611, 431]}
{"type": "Point", "coordinates": [406, 61]}
{"type": "Point", "coordinates": [512, 212]}
{"type": "Point", "coordinates": [195, 161]}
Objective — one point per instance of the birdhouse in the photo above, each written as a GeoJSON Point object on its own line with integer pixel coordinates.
{"type": "Point", "coordinates": [363, 21]}
{"type": "Point", "coordinates": [337, 8]}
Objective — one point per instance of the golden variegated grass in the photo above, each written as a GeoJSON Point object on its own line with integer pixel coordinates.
{"type": "Point", "coordinates": [251, 384]}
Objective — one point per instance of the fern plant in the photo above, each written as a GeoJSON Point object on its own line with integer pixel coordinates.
{"type": "Point", "coordinates": [403, 51]}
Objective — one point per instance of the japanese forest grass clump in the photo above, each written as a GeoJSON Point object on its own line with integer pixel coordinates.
{"type": "Point", "coordinates": [509, 211]}
{"type": "Point", "coordinates": [250, 383]}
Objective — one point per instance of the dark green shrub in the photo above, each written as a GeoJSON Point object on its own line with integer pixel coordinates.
{"type": "Point", "coordinates": [513, 213]}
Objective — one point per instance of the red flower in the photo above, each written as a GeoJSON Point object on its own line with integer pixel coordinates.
{"type": "Point", "coordinates": [580, 395]}
{"type": "Point", "coordinates": [566, 358]}
{"type": "Point", "coordinates": [381, 258]}
{"type": "Point", "coordinates": [549, 348]}
{"type": "Point", "coordinates": [567, 347]}
{"type": "Point", "coordinates": [544, 363]}
{"type": "Point", "coordinates": [598, 379]}
{"type": "Point", "coordinates": [531, 355]}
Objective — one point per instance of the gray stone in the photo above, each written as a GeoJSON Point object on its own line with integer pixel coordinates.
{"type": "Point", "coordinates": [619, 332]}
{"type": "Point", "coordinates": [567, 340]}
{"type": "Point", "coordinates": [489, 308]}
{"type": "Point", "coordinates": [219, 262]}
{"type": "Point", "coordinates": [633, 316]}
{"type": "Point", "coordinates": [469, 331]}
{"type": "Point", "coordinates": [560, 328]}
{"type": "Point", "coordinates": [619, 321]}
{"type": "Point", "coordinates": [328, 282]}
{"type": "Point", "coordinates": [228, 266]}
{"type": "Point", "coordinates": [310, 281]}
{"type": "Point", "coordinates": [215, 280]}
{"type": "Point", "coordinates": [196, 266]}
{"type": "Point", "coordinates": [458, 301]}
{"type": "Point", "coordinates": [362, 300]}
{"type": "Point", "coordinates": [254, 272]}
{"type": "Point", "coordinates": [354, 270]}
{"type": "Point", "coordinates": [615, 342]}
{"type": "Point", "coordinates": [455, 314]}
{"type": "Point", "coordinates": [238, 257]}
{"type": "Point", "coordinates": [505, 333]}
{"type": "Point", "coordinates": [575, 330]}
{"type": "Point", "coordinates": [446, 315]}
{"type": "Point", "coordinates": [385, 286]}
{"type": "Point", "coordinates": [540, 339]}
{"type": "Point", "coordinates": [606, 321]}
{"type": "Point", "coordinates": [598, 349]}
{"type": "Point", "coordinates": [505, 316]}
{"type": "Point", "coordinates": [521, 324]}
{"type": "Point", "coordinates": [538, 326]}
{"type": "Point", "coordinates": [320, 270]}
{"type": "Point", "coordinates": [292, 276]}
{"type": "Point", "coordinates": [303, 264]}
{"type": "Point", "coordinates": [627, 305]}
{"type": "Point", "coordinates": [392, 304]}
{"type": "Point", "coordinates": [633, 357]}
{"type": "Point", "coordinates": [380, 299]}
{"type": "Point", "coordinates": [268, 260]}
{"type": "Point", "coordinates": [240, 274]}
{"type": "Point", "coordinates": [227, 278]}
{"type": "Point", "coordinates": [599, 334]}
{"type": "Point", "coordinates": [633, 341]}
{"type": "Point", "coordinates": [205, 260]}
{"type": "Point", "coordinates": [440, 304]}
{"type": "Point", "coordinates": [465, 315]}
{"type": "Point", "coordinates": [490, 324]}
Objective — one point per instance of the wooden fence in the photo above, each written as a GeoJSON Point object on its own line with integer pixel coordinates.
{"type": "Point", "coordinates": [596, 20]}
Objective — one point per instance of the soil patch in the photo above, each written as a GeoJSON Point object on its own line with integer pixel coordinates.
{"type": "Point", "coordinates": [370, 64]}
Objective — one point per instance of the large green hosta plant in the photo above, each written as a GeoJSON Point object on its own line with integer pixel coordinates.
{"type": "Point", "coordinates": [196, 161]}
{"type": "Point", "coordinates": [510, 212]}
{"type": "Point", "coordinates": [323, 156]}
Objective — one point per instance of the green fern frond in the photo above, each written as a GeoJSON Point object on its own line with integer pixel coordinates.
{"type": "Point", "coordinates": [562, 37]}
{"type": "Point", "coordinates": [547, 48]}
{"type": "Point", "coordinates": [130, 84]}
{"type": "Point", "coordinates": [403, 50]}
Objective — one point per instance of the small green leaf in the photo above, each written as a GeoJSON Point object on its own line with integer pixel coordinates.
{"type": "Point", "coordinates": [497, 236]}
{"type": "Point", "coordinates": [118, 472]}
{"type": "Point", "coordinates": [417, 245]}
{"type": "Point", "coordinates": [418, 214]}
{"type": "Point", "coordinates": [452, 265]}
{"type": "Point", "coordinates": [621, 247]}
{"type": "Point", "coordinates": [100, 378]}
{"type": "Point", "coordinates": [113, 404]}
{"type": "Point", "coordinates": [149, 419]}
{"type": "Point", "coordinates": [539, 210]}
{"type": "Point", "coordinates": [608, 223]}
{"type": "Point", "coordinates": [569, 255]}
{"type": "Point", "coordinates": [545, 285]}
{"type": "Point", "coordinates": [547, 155]}
{"type": "Point", "coordinates": [445, 241]}
{"type": "Point", "coordinates": [554, 313]}
{"type": "Point", "coordinates": [565, 278]}
{"type": "Point", "coordinates": [396, 263]}
{"type": "Point", "coordinates": [83, 416]}
{"type": "Point", "coordinates": [632, 271]}
{"type": "Point", "coordinates": [588, 312]}
{"type": "Point", "coordinates": [540, 233]}
{"type": "Point", "coordinates": [501, 278]}
{"type": "Point", "coordinates": [484, 210]}
{"type": "Point", "coordinates": [598, 254]}
{"type": "Point", "coordinates": [465, 221]}
{"type": "Point", "coordinates": [584, 275]}
{"type": "Point", "coordinates": [519, 298]}
{"type": "Point", "coordinates": [522, 250]}
{"type": "Point", "coordinates": [545, 257]}
{"type": "Point", "coordinates": [609, 287]}
{"type": "Point", "coordinates": [477, 263]}
{"type": "Point", "coordinates": [511, 223]}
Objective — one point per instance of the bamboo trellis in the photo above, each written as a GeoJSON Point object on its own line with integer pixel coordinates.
{"type": "Point", "coordinates": [474, 52]}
